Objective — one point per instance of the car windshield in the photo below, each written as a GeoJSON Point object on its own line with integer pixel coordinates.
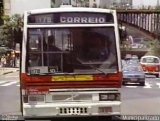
{"type": "Point", "coordinates": [72, 50]}
{"type": "Point", "coordinates": [132, 68]}
{"type": "Point", "coordinates": [150, 60]}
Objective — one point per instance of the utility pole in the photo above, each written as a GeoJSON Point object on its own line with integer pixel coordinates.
{"type": "Point", "coordinates": [70, 2]}
{"type": "Point", "coordinates": [157, 3]}
{"type": "Point", "coordinates": [157, 21]}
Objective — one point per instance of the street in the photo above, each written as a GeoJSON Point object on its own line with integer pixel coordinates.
{"type": "Point", "coordinates": [9, 93]}
{"type": "Point", "coordinates": [141, 100]}
{"type": "Point", "coordinates": [136, 100]}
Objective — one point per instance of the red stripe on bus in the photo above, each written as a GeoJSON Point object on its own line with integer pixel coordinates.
{"type": "Point", "coordinates": [99, 81]}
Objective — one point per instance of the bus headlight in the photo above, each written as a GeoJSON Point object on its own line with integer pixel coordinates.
{"type": "Point", "coordinates": [109, 97]}
{"type": "Point", "coordinates": [36, 98]}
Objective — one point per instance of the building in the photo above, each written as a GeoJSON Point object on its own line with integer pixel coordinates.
{"type": "Point", "coordinates": [138, 4]}
{"type": "Point", "coordinates": [7, 8]}
{"type": "Point", "coordinates": [19, 6]}
{"type": "Point", "coordinates": [100, 3]}
{"type": "Point", "coordinates": [84, 3]}
{"type": "Point", "coordinates": [122, 4]}
{"type": "Point", "coordinates": [56, 3]}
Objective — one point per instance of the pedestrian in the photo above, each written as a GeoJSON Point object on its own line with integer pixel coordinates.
{"type": "Point", "coordinates": [3, 61]}
{"type": "Point", "coordinates": [0, 62]}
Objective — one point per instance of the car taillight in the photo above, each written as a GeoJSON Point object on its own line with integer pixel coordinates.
{"type": "Point", "coordinates": [109, 97]}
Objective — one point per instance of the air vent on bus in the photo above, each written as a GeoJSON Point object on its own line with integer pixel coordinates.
{"type": "Point", "coordinates": [73, 110]}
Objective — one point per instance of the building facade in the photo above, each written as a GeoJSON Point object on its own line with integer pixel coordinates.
{"type": "Point", "coordinates": [7, 7]}
{"type": "Point", "coordinates": [56, 3]}
{"type": "Point", "coordinates": [19, 6]}
{"type": "Point", "coordinates": [140, 4]}
{"type": "Point", "coordinates": [100, 3]}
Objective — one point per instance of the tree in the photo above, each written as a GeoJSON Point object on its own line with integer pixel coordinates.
{"type": "Point", "coordinates": [154, 46]}
{"type": "Point", "coordinates": [1, 12]}
{"type": "Point", "coordinates": [11, 24]}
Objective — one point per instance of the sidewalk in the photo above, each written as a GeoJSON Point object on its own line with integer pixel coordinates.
{"type": "Point", "coordinates": [6, 70]}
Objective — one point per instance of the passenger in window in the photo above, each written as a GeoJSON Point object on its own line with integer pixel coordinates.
{"type": "Point", "coordinates": [51, 44]}
{"type": "Point", "coordinates": [53, 57]}
{"type": "Point", "coordinates": [103, 49]}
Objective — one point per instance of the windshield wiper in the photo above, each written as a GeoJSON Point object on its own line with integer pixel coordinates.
{"type": "Point", "coordinates": [97, 69]}
{"type": "Point", "coordinates": [93, 67]}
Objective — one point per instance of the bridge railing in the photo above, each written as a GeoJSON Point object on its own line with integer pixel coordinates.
{"type": "Point", "coordinates": [145, 20]}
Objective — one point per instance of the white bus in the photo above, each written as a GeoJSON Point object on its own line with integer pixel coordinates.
{"type": "Point", "coordinates": [71, 64]}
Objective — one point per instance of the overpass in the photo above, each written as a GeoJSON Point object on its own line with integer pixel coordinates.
{"type": "Point", "coordinates": [147, 21]}
{"type": "Point", "coordinates": [144, 22]}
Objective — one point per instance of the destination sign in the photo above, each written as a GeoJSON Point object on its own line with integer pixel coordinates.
{"type": "Point", "coordinates": [82, 20]}
{"type": "Point", "coordinates": [71, 18]}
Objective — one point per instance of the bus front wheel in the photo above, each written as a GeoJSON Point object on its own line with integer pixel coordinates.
{"type": "Point", "coordinates": [157, 75]}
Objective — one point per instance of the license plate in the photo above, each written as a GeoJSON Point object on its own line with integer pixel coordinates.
{"type": "Point", "coordinates": [134, 79]}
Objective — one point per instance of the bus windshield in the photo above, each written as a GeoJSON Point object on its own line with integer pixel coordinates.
{"type": "Point", "coordinates": [71, 50]}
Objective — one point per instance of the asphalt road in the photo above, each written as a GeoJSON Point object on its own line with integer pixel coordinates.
{"type": "Point", "coordinates": [9, 94]}
{"type": "Point", "coordinates": [136, 99]}
{"type": "Point", "coordinates": [141, 100]}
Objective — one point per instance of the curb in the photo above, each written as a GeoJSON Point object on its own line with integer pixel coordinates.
{"type": "Point", "coordinates": [9, 72]}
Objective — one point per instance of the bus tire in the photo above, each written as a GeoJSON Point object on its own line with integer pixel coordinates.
{"type": "Point", "coordinates": [123, 83]}
{"type": "Point", "coordinates": [142, 83]}
{"type": "Point", "coordinates": [157, 76]}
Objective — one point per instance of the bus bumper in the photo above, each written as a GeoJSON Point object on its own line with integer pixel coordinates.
{"type": "Point", "coordinates": [71, 109]}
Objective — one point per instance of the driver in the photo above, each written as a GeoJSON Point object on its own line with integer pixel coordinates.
{"type": "Point", "coordinates": [98, 48]}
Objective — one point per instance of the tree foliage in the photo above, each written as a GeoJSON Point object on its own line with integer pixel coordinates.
{"type": "Point", "coordinates": [7, 29]}
{"type": "Point", "coordinates": [154, 46]}
{"type": "Point", "coordinates": [1, 11]}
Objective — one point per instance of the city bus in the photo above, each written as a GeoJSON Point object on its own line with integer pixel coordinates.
{"type": "Point", "coordinates": [151, 65]}
{"type": "Point", "coordinates": [70, 63]}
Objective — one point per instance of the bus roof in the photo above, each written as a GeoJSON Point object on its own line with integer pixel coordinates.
{"type": "Point", "coordinates": [69, 9]}
{"type": "Point", "coordinates": [152, 56]}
